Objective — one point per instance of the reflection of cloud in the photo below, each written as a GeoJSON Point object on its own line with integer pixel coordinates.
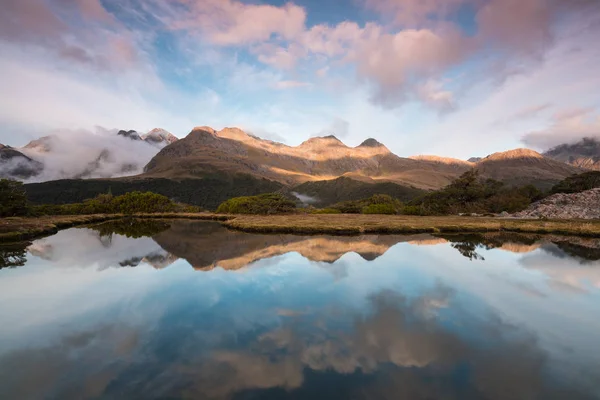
{"type": "Point", "coordinates": [395, 334]}
{"type": "Point", "coordinates": [562, 272]}
{"type": "Point", "coordinates": [68, 369]}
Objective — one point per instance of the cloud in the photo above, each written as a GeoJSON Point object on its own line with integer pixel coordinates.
{"type": "Point", "coordinates": [292, 84]}
{"type": "Point", "coordinates": [569, 126]}
{"type": "Point", "coordinates": [90, 154]}
{"type": "Point", "coordinates": [231, 23]}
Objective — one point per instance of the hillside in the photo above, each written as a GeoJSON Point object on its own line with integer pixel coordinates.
{"type": "Point", "coordinates": [325, 193]}
{"type": "Point", "coordinates": [522, 167]}
{"type": "Point", "coordinates": [208, 192]}
{"type": "Point", "coordinates": [583, 154]}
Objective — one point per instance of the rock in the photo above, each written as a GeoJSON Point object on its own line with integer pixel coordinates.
{"type": "Point", "coordinates": [582, 205]}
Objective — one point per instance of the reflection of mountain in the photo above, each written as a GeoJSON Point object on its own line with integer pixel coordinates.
{"type": "Point", "coordinates": [207, 245]}
{"type": "Point", "coordinates": [87, 247]}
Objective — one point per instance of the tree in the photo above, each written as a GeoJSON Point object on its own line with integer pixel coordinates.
{"type": "Point", "coordinates": [13, 199]}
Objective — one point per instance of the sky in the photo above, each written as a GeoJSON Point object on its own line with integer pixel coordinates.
{"type": "Point", "coordinates": [457, 78]}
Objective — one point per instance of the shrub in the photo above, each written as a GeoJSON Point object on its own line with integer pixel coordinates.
{"type": "Point", "coordinates": [138, 202]}
{"type": "Point", "coordinates": [376, 204]}
{"type": "Point", "coordinates": [268, 203]}
{"type": "Point", "coordinates": [578, 183]}
{"type": "Point", "coordinates": [471, 194]}
{"type": "Point", "coordinates": [129, 203]}
{"type": "Point", "coordinates": [13, 199]}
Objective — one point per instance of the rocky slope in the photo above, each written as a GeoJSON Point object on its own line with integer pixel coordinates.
{"type": "Point", "coordinates": [584, 205]}
{"type": "Point", "coordinates": [583, 154]}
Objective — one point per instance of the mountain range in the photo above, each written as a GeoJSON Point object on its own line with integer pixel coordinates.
{"type": "Point", "coordinates": [209, 166]}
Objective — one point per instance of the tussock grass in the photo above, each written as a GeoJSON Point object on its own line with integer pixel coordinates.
{"type": "Point", "coordinates": [363, 224]}
{"type": "Point", "coordinates": [22, 229]}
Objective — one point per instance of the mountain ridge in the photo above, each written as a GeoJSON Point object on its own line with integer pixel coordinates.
{"type": "Point", "coordinates": [206, 150]}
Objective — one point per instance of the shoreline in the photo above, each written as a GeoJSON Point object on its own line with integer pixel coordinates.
{"type": "Point", "coordinates": [18, 229]}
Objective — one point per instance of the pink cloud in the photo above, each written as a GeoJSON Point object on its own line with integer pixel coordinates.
{"type": "Point", "coordinates": [54, 27]}
{"type": "Point", "coordinates": [231, 23]}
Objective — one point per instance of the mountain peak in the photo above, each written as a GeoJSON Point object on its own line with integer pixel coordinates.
{"type": "Point", "coordinates": [233, 133]}
{"type": "Point", "coordinates": [159, 135]}
{"type": "Point", "coordinates": [130, 134]}
{"type": "Point", "coordinates": [513, 154]}
{"type": "Point", "coordinates": [329, 140]}
{"type": "Point", "coordinates": [370, 142]}
{"type": "Point", "coordinates": [441, 160]}
{"type": "Point", "coordinates": [204, 129]}
{"type": "Point", "coordinates": [41, 145]}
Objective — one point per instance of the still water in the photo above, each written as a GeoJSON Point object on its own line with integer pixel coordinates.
{"type": "Point", "coordinates": [184, 309]}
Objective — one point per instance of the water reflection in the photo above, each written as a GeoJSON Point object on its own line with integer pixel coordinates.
{"type": "Point", "coordinates": [206, 245]}
{"type": "Point", "coordinates": [12, 256]}
{"type": "Point", "coordinates": [282, 316]}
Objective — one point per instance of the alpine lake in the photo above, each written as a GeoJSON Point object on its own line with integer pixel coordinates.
{"type": "Point", "coordinates": [182, 309]}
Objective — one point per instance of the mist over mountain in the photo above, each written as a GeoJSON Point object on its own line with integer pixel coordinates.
{"type": "Point", "coordinates": [583, 154]}
{"type": "Point", "coordinates": [83, 154]}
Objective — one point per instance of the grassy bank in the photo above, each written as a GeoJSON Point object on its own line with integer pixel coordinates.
{"type": "Point", "coordinates": [360, 224]}
{"type": "Point", "coordinates": [20, 229]}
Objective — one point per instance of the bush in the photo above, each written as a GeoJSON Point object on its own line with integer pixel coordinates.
{"type": "Point", "coordinates": [376, 204]}
{"type": "Point", "coordinates": [13, 199]}
{"type": "Point", "coordinates": [129, 203]}
{"type": "Point", "coordinates": [578, 183]}
{"type": "Point", "coordinates": [138, 202]}
{"type": "Point", "coordinates": [268, 203]}
{"type": "Point", "coordinates": [471, 194]}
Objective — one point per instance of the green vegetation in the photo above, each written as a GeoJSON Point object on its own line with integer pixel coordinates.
{"type": "Point", "coordinates": [13, 201]}
{"type": "Point", "coordinates": [578, 183]}
{"type": "Point", "coordinates": [471, 194]}
{"type": "Point", "coordinates": [130, 203]}
{"type": "Point", "coordinates": [208, 192]}
{"type": "Point", "coordinates": [341, 189]}
{"type": "Point", "coordinates": [376, 204]}
{"type": "Point", "coordinates": [268, 203]}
